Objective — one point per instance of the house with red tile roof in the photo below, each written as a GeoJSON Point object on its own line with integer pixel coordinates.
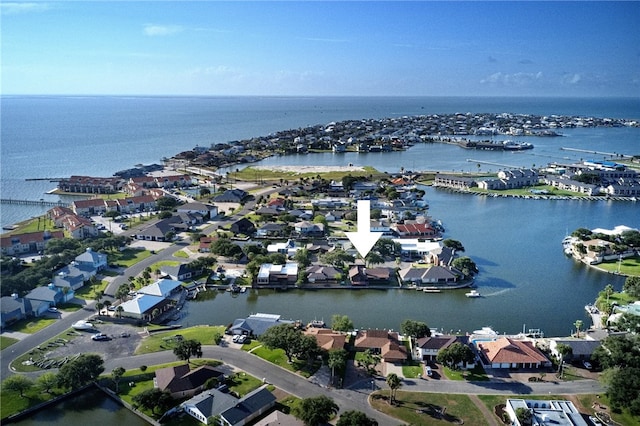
{"type": "Point", "coordinates": [327, 339]}
{"type": "Point", "coordinates": [31, 242]}
{"type": "Point", "coordinates": [383, 342]}
{"type": "Point", "coordinates": [89, 207]}
{"type": "Point", "coordinates": [510, 353]}
{"type": "Point", "coordinates": [413, 230]}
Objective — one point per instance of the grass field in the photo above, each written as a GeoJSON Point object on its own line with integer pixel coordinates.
{"type": "Point", "coordinates": [5, 342]}
{"type": "Point", "coordinates": [252, 174]}
{"type": "Point", "coordinates": [162, 341]}
{"type": "Point", "coordinates": [31, 325]}
{"type": "Point", "coordinates": [629, 266]}
{"type": "Point", "coordinates": [129, 257]}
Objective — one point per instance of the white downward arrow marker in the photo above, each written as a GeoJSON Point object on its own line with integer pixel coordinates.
{"type": "Point", "coordinates": [363, 240]}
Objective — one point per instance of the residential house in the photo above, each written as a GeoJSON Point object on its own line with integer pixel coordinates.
{"type": "Point", "coordinates": [411, 229]}
{"type": "Point", "coordinates": [327, 339]}
{"type": "Point", "coordinates": [206, 406]}
{"type": "Point", "coordinates": [581, 349]}
{"type": "Point", "coordinates": [567, 184]}
{"type": "Point", "coordinates": [318, 246]}
{"type": "Point", "coordinates": [231, 196]}
{"type": "Point", "coordinates": [435, 275]}
{"type": "Point", "coordinates": [138, 203]}
{"type": "Point", "coordinates": [255, 325]}
{"type": "Point", "coordinates": [309, 229]}
{"type": "Point", "coordinates": [32, 242]}
{"type": "Point", "coordinates": [323, 275]}
{"type": "Point", "coordinates": [96, 260]}
{"type": "Point", "coordinates": [359, 275]}
{"type": "Point", "coordinates": [208, 211]}
{"type": "Point", "coordinates": [175, 181]}
{"type": "Point", "coordinates": [249, 407]}
{"type": "Point", "coordinates": [90, 207]}
{"type": "Point", "coordinates": [412, 248]}
{"type": "Point", "coordinates": [427, 348]}
{"type": "Point", "coordinates": [182, 382]}
{"type": "Point", "coordinates": [73, 277]}
{"type": "Point", "coordinates": [511, 179]}
{"type": "Point", "coordinates": [288, 248]}
{"type": "Point", "coordinates": [243, 226]}
{"type": "Point", "coordinates": [280, 275]}
{"type": "Point", "coordinates": [12, 309]}
{"type": "Point", "coordinates": [270, 230]}
{"type": "Point", "coordinates": [43, 297]}
{"type": "Point", "coordinates": [181, 272]}
{"type": "Point", "coordinates": [382, 342]}
{"type": "Point", "coordinates": [158, 231]}
{"type": "Point", "coordinates": [545, 412]}
{"type": "Point", "coordinates": [79, 227]}
{"type": "Point", "coordinates": [278, 418]}
{"type": "Point", "coordinates": [160, 295]}
{"type": "Point", "coordinates": [269, 211]}
{"type": "Point", "coordinates": [452, 181]}
{"type": "Point", "coordinates": [205, 244]}
{"type": "Point", "coordinates": [510, 353]}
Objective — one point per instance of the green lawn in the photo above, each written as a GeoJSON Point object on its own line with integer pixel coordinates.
{"type": "Point", "coordinates": [629, 266]}
{"type": "Point", "coordinates": [474, 375]}
{"type": "Point", "coordinates": [12, 403]}
{"type": "Point", "coordinates": [129, 257]}
{"type": "Point", "coordinates": [423, 408]}
{"type": "Point", "coordinates": [5, 342]}
{"type": "Point", "coordinates": [251, 173]}
{"type": "Point", "coordinates": [278, 357]}
{"type": "Point", "coordinates": [31, 325]}
{"type": "Point", "coordinates": [412, 370]}
{"type": "Point", "coordinates": [162, 341]}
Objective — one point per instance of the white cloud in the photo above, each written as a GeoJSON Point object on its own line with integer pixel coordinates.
{"type": "Point", "coordinates": [14, 8]}
{"type": "Point", "coordinates": [153, 30]}
{"type": "Point", "coordinates": [516, 79]}
{"type": "Point", "coordinates": [571, 78]}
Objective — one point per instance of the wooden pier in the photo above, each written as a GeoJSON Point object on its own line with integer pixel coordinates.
{"type": "Point", "coordinates": [44, 203]}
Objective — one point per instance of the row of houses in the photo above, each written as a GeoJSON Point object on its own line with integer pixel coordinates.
{"type": "Point", "coordinates": [31, 242]}
{"type": "Point", "coordinates": [111, 185]}
{"type": "Point", "coordinates": [61, 289]}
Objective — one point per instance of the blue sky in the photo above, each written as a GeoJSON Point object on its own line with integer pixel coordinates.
{"type": "Point", "coordinates": [321, 48]}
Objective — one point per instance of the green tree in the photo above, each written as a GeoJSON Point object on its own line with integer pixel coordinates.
{"type": "Point", "coordinates": [285, 337]}
{"type": "Point", "coordinates": [524, 416]}
{"type": "Point", "coordinates": [316, 411]}
{"type": "Point", "coordinates": [302, 258]}
{"type": "Point", "coordinates": [82, 371]}
{"type": "Point", "coordinates": [151, 399]}
{"type": "Point", "coordinates": [188, 348]}
{"type": "Point", "coordinates": [116, 375]}
{"type": "Point", "coordinates": [46, 382]}
{"type": "Point", "coordinates": [119, 310]}
{"type": "Point", "coordinates": [578, 326]}
{"type": "Point", "coordinates": [454, 355]}
{"type": "Point", "coordinates": [341, 323]}
{"type": "Point", "coordinates": [565, 351]}
{"type": "Point", "coordinates": [337, 258]}
{"type": "Point", "coordinates": [17, 383]}
{"type": "Point", "coordinates": [454, 244]}
{"type": "Point", "coordinates": [355, 418]}
{"type": "Point", "coordinates": [632, 286]}
{"type": "Point", "coordinates": [370, 360]}
{"type": "Point", "coordinates": [394, 383]}
{"type": "Point", "coordinates": [99, 308]}
{"type": "Point", "coordinates": [387, 247]}
{"type": "Point", "coordinates": [415, 329]}
{"type": "Point", "coordinates": [465, 265]}
{"type": "Point", "coordinates": [337, 360]}
{"type": "Point", "coordinates": [374, 258]}
{"type": "Point", "coordinates": [623, 389]}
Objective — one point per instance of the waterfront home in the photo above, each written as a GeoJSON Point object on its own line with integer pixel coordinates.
{"type": "Point", "coordinates": [32, 242]}
{"type": "Point", "coordinates": [545, 412]}
{"type": "Point", "coordinates": [91, 185]}
{"type": "Point", "coordinates": [452, 181]}
{"type": "Point", "coordinates": [278, 418]}
{"type": "Point", "coordinates": [511, 179]}
{"type": "Point", "coordinates": [182, 382]}
{"type": "Point", "coordinates": [277, 275]}
{"type": "Point", "coordinates": [427, 348]}
{"type": "Point", "coordinates": [206, 406]}
{"type": "Point", "coordinates": [12, 309]}
{"type": "Point", "coordinates": [624, 188]}
{"type": "Point", "coordinates": [412, 229]}
{"type": "Point", "coordinates": [255, 325]}
{"type": "Point", "coordinates": [327, 339]}
{"type": "Point", "coordinates": [168, 181]}
{"type": "Point", "coordinates": [288, 248]}
{"type": "Point", "coordinates": [323, 275]}
{"type": "Point", "coordinates": [413, 248]}
{"type": "Point", "coordinates": [382, 342]}
{"type": "Point", "coordinates": [567, 184]}
{"type": "Point", "coordinates": [181, 272]}
{"type": "Point", "coordinates": [581, 349]}
{"type": "Point", "coordinates": [510, 353]}
{"type": "Point", "coordinates": [243, 226]}
{"type": "Point", "coordinates": [89, 207]}
{"type": "Point", "coordinates": [436, 275]}
{"type": "Point", "coordinates": [79, 227]}
{"type": "Point", "coordinates": [152, 299]}
{"type": "Point", "coordinates": [359, 275]}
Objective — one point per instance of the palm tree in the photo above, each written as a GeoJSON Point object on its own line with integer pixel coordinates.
{"type": "Point", "coordinates": [106, 304]}
{"type": "Point", "coordinates": [394, 382]}
{"type": "Point", "coordinates": [578, 325]}
{"type": "Point", "coordinates": [99, 307]}
{"type": "Point", "coordinates": [119, 310]}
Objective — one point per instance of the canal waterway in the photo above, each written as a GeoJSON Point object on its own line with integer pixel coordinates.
{"type": "Point", "coordinates": [92, 405]}
{"type": "Point", "coordinates": [525, 279]}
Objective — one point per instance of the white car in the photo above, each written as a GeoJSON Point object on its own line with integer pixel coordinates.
{"type": "Point", "coordinates": [587, 365]}
{"type": "Point", "coordinates": [53, 310]}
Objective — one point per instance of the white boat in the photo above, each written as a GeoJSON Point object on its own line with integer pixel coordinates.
{"type": "Point", "coordinates": [82, 325]}
{"type": "Point", "coordinates": [473, 293]}
{"type": "Point", "coordinates": [485, 331]}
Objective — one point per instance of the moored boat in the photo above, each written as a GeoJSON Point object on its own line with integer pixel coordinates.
{"type": "Point", "coordinates": [473, 293]}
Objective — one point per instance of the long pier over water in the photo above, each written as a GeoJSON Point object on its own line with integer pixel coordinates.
{"type": "Point", "coordinates": [33, 202]}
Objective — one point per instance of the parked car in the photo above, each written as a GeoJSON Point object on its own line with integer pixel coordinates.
{"type": "Point", "coordinates": [99, 337]}
{"type": "Point", "coordinates": [428, 371]}
{"type": "Point", "coordinates": [587, 365]}
{"type": "Point", "coordinates": [243, 339]}
{"type": "Point", "coordinates": [53, 310]}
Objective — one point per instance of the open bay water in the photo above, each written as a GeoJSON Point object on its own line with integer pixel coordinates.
{"type": "Point", "coordinates": [524, 277]}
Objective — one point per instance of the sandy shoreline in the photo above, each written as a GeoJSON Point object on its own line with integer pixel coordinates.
{"type": "Point", "coordinates": [311, 169]}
